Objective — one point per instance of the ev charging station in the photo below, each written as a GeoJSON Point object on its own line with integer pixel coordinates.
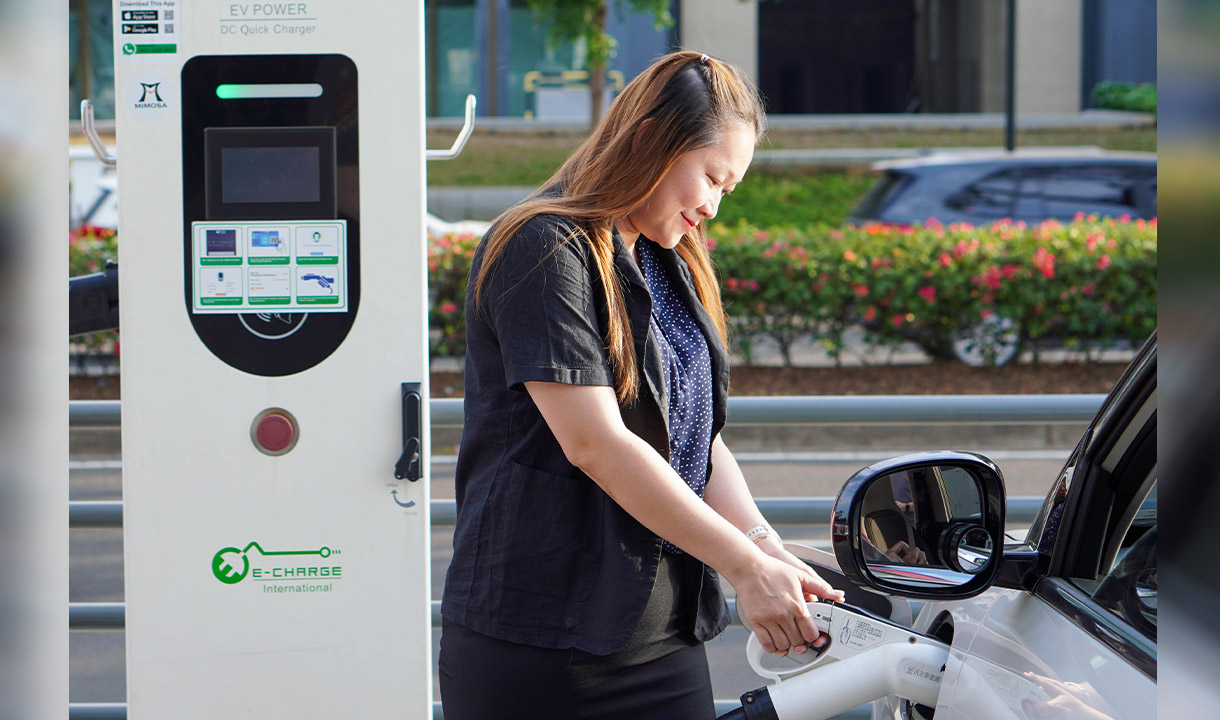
{"type": "Point", "coordinates": [274, 358]}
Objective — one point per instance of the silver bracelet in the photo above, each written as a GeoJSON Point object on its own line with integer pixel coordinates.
{"type": "Point", "coordinates": [758, 532]}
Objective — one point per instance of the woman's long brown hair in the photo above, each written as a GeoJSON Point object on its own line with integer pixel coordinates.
{"type": "Point", "coordinates": [686, 100]}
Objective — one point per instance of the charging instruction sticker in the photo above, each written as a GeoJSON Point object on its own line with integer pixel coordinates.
{"type": "Point", "coordinates": [255, 266]}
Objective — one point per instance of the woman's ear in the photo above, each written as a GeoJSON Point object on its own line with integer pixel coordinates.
{"type": "Point", "coordinates": [637, 138]}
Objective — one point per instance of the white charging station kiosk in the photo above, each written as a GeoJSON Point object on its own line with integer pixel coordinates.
{"type": "Point", "coordinates": [274, 358]}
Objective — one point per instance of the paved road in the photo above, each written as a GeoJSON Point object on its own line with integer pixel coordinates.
{"type": "Point", "coordinates": [1029, 455]}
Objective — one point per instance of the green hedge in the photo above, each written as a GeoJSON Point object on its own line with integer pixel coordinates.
{"type": "Point", "coordinates": [1125, 96]}
{"type": "Point", "coordinates": [1089, 283]}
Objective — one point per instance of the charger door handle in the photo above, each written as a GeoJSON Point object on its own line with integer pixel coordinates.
{"type": "Point", "coordinates": [410, 463]}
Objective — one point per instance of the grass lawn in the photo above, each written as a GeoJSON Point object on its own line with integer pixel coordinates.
{"type": "Point", "coordinates": [504, 158]}
{"type": "Point", "coordinates": [779, 197]}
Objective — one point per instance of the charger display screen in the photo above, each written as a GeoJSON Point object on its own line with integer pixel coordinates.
{"type": "Point", "coordinates": [270, 174]}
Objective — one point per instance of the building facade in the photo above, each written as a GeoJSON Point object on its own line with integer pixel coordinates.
{"type": "Point", "coordinates": [807, 56]}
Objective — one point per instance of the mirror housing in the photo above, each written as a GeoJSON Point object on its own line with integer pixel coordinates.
{"type": "Point", "coordinates": [925, 525]}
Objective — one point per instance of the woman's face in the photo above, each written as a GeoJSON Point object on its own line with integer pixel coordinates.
{"type": "Point", "coordinates": [692, 189]}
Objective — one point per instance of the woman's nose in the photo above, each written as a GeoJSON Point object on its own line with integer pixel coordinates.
{"type": "Point", "coordinates": [709, 207]}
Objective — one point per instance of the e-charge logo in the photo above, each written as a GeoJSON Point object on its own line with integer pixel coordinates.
{"type": "Point", "coordinates": [225, 566]}
{"type": "Point", "coordinates": [280, 571]}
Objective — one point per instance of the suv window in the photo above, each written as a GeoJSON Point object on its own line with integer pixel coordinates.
{"type": "Point", "coordinates": [878, 196]}
{"type": "Point", "coordinates": [1106, 190]}
{"type": "Point", "coordinates": [1057, 192]}
{"type": "Point", "coordinates": [994, 197]}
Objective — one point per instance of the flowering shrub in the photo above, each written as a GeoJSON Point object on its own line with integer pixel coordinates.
{"type": "Point", "coordinates": [89, 247]}
{"type": "Point", "coordinates": [449, 258]}
{"type": "Point", "coordinates": [1092, 281]}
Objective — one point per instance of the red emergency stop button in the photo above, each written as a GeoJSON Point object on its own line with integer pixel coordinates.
{"type": "Point", "coordinates": [274, 431]}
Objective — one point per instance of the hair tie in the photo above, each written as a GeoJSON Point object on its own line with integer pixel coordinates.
{"type": "Point", "coordinates": [704, 59]}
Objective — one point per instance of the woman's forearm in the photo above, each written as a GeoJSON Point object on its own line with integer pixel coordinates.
{"type": "Point", "coordinates": [727, 492]}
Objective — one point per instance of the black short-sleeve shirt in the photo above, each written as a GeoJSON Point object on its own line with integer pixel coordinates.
{"type": "Point", "coordinates": [542, 556]}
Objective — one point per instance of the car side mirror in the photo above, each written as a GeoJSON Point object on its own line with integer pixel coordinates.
{"type": "Point", "coordinates": [927, 525]}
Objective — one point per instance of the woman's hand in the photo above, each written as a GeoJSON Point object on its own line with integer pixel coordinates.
{"type": "Point", "coordinates": [771, 601]}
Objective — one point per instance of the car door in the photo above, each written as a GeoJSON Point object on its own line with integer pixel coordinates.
{"type": "Point", "coordinates": [1074, 633]}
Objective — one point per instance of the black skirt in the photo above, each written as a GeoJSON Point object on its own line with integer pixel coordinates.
{"type": "Point", "coordinates": [661, 673]}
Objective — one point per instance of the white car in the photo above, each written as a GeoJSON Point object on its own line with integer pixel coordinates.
{"type": "Point", "coordinates": [1061, 623]}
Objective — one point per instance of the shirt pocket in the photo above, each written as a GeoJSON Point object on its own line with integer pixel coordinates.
{"type": "Point", "coordinates": [548, 533]}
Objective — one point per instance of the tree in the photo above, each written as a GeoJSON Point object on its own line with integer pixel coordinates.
{"type": "Point", "coordinates": [574, 20]}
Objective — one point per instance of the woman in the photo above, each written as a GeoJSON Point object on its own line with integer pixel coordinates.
{"type": "Point", "coordinates": [596, 500]}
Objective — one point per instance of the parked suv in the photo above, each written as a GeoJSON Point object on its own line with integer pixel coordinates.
{"type": "Point", "coordinates": [983, 186]}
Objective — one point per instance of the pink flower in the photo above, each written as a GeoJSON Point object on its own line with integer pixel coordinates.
{"type": "Point", "coordinates": [448, 307]}
{"type": "Point", "coordinates": [897, 320]}
{"type": "Point", "coordinates": [732, 283]}
{"type": "Point", "coordinates": [1092, 240]}
{"type": "Point", "coordinates": [1088, 289]}
{"type": "Point", "coordinates": [946, 260]}
{"type": "Point", "coordinates": [861, 290]}
{"type": "Point", "coordinates": [1103, 262]}
{"type": "Point", "coordinates": [849, 256]}
{"type": "Point", "coordinates": [871, 313]}
{"type": "Point", "coordinates": [1045, 262]}
{"type": "Point", "coordinates": [711, 244]}
{"type": "Point", "coordinates": [990, 278]}
{"type": "Point", "coordinates": [1079, 216]}
{"type": "Point", "coordinates": [1124, 218]}
{"type": "Point", "coordinates": [929, 293]}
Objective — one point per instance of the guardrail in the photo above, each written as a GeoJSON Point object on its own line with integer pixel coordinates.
{"type": "Point", "coordinates": [767, 411]}
{"type": "Point", "coordinates": [791, 410]}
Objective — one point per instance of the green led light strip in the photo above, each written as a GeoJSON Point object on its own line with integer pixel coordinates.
{"type": "Point", "coordinates": [268, 90]}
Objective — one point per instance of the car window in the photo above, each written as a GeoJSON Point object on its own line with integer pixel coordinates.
{"type": "Point", "coordinates": [993, 197]}
{"type": "Point", "coordinates": [1058, 192]}
{"type": "Point", "coordinates": [875, 200]}
{"type": "Point", "coordinates": [1114, 551]}
{"type": "Point", "coordinates": [1129, 588]}
{"type": "Point", "coordinates": [1105, 190]}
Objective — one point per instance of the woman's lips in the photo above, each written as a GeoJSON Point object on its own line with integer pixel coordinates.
{"type": "Point", "coordinates": [689, 224]}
